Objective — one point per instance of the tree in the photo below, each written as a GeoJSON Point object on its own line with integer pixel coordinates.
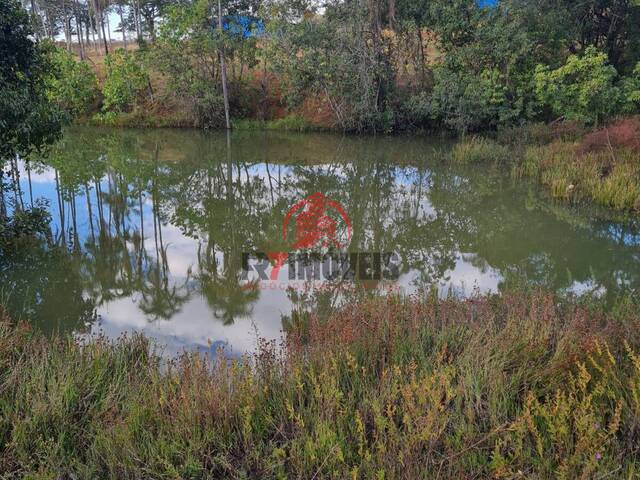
{"type": "Point", "coordinates": [631, 88]}
{"type": "Point", "coordinates": [343, 57]}
{"type": "Point", "coordinates": [582, 89]}
{"type": "Point", "coordinates": [127, 79]}
{"type": "Point", "coordinates": [70, 84]}
{"type": "Point", "coordinates": [27, 120]}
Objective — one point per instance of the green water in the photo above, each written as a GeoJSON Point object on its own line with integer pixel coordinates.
{"type": "Point", "coordinates": [153, 226]}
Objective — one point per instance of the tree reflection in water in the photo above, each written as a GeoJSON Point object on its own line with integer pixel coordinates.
{"type": "Point", "coordinates": [116, 195]}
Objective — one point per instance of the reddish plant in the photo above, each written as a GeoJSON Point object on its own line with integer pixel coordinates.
{"type": "Point", "coordinates": [624, 133]}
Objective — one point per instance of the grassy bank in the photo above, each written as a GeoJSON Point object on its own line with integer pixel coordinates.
{"type": "Point", "coordinates": [523, 385]}
{"type": "Point", "coordinates": [576, 165]}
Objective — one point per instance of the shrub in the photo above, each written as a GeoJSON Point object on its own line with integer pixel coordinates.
{"type": "Point", "coordinates": [572, 432]}
{"type": "Point", "coordinates": [126, 80]}
{"type": "Point", "coordinates": [631, 86]}
{"type": "Point", "coordinates": [25, 225]}
{"type": "Point", "coordinates": [583, 89]}
{"type": "Point", "coordinates": [70, 84]}
{"type": "Point", "coordinates": [464, 101]}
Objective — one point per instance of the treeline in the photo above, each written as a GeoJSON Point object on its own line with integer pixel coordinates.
{"type": "Point", "coordinates": [87, 22]}
{"type": "Point", "coordinates": [362, 65]}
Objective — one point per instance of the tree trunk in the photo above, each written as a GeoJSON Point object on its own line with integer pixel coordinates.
{"type": "Point", "coordinates": [122, 26]}
{"type": "Point", "coordinates": [223, 72]}
{"type": "Point", "coordinates": [47, 30]}
{"type": "Point", "coordinates": [136, 18]}
{"type": "Point", "coordinates": [96, 26]}
{"type": "Point", "coordinates": [30, 184]}
{"type": "Point", "coordinates": [16, 184]}
{"type": "Point", "coordinates": [80, 42]}
{"type": "Point", "coordinates": [61, 209]}
{"type": "Point", "coordinates": [74, 218]}
{"type": "Point", "coordinates": [67, 33]}
{"type": "Point", "coordinates": [34, 17]}
{"type": "Point", "coordinates": [420, 39]}
{"type": "Point", "coordinates": [109, 30]}
{"type": "Point", "coordinates": [104, 36]}
{"type": "Point", "coordinates": [90, 211]}
{"type": "Point", "coordinates": [3, 206]}
{"type": "Point", "coordinates": [96, 47]}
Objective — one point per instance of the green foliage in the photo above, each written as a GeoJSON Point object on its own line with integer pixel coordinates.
{"type": "Point", "coordinates": [70, 84]}
{"type": "Point", "coordinates": [25, 225]}
{"type": "Point", "coordinates": [573, 432]}
{"type": "Point", "coordinates": [631, 88]}
{"type": "Point", "coordinates": [607, 177]}
{"type": "Point", "coordinates": [483, 79]}
{"type": "Point", "coordinates": [290, 123]}
{"type": "Point", "coordinates": [28, 121]}
{"type": "Point", "coordinates": [192, 66]}
{"type": "Point", "coordinates": [466, 102]}
{"type": "Point", "coordinates": [126, 80]}
{"type": "Point", "coordinates": [583, 89]}
{"type": "Point", "coordinates": [479, 150]}
{"type": "Point", "coordinates": [187, 52]}
{"type": "Point", "coordinates": [342, 58]}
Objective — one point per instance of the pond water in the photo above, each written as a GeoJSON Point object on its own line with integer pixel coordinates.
{"type": "Point", "coordinates": [160, 232]}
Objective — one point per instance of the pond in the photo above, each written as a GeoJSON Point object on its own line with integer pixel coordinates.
{"type": "Point", "coordinates": [200, 240]}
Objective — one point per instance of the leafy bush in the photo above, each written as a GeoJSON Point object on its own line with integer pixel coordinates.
{"type": "Point", "coordinates": [342, 59]}
{"type": "Point", "coordinates": [70, 84]}
{"type": "Point", "coordinates": [25, 225]}
{"type": "Point", "coordinates": [631, 87]}
{"type": "Point", "coordinates": [583, 89]}
{"type": "Point", "coordinates": [28, 120]}
{"type": "Point", "coordinates": [464, 101]}
{"type": "Point", "coordinates": [127, 79]}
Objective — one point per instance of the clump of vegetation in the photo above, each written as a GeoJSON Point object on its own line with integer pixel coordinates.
{"type": "Point", "coordinates": [608, 177]}
{"type": "Point", "coordinates": [29, 121]}
{"type": "Point", "coordinates": [387, 388]}
{"type": "Point", "coordinates": [126, 82]}
{"type": "Point", "coordinates": [25, 225]}
{"type": "Point", "coordinates": [583, 89]}
{"type": "Point", "coordinates": [476, 149]}
{"type": "Point", "coordinates": [290, 123]}
{"type": "Point", "coordinates": [631, 89]}
{"type": "Point", "coordinates": [70, 84]}
{"type": "Point", "coordinates": [537, 133]}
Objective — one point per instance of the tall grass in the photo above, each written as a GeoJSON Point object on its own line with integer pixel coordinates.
{"type": "Point", "coordinates": [291, 123]}
{"type": "Point", "coordinates": [519, 386]}
{"type": "Point", "coordinates": [476, 149]}
{"type": "Point", "coordinates": [389, 388]}
{"type": "Point", "coordinates": [610, 178]}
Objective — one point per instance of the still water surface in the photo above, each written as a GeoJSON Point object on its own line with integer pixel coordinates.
{"type": "Point", "coordinates": [155, 223]}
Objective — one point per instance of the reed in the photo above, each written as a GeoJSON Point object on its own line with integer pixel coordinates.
{"type": "Point", "coordinates": [476, 149]}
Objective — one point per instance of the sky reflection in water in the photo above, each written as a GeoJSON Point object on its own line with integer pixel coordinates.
{"type": "Point", "coordinates": [172, 212]}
